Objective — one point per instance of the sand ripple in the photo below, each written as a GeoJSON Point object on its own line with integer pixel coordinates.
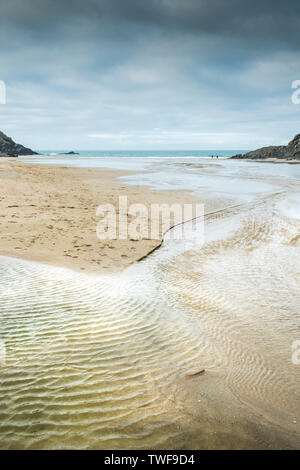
{"type": "Point", "coordinates": [101, 362]}
{"type": "Point", "coordinates": [89, 361]}
{"type": "Point", "coordinates": [244, 290]}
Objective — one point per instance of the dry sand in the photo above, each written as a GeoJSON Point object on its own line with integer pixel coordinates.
{"type": "Point", "coordinates": [48, 214]}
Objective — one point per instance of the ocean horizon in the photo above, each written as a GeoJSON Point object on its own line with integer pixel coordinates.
{"type": "Point", "coordinates": [144, 153]}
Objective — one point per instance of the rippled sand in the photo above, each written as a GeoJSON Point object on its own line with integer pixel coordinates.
{"type": "Point", "coordinates": [103, 362]}
{"type": "Point", "coordinates": [109, 361]}
{"type": "Point", "coordinates": [244, 290]}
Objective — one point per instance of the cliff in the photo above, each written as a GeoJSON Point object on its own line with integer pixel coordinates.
{"type": "Point", "coordinates": [285, 152]}
{"type": "Point", "coordinates": [9, 148]}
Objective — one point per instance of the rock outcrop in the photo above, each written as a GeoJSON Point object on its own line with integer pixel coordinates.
{"type": "Point", "coordinates": [69, 153]}
{"type": "Point", "coordinates": [8, 148]}
{"type": "Point", "coordinates": [285, 152]}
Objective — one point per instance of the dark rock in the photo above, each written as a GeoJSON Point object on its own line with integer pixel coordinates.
{"type": "Point", "coordinates": [286, 152]}
{"type": "Point", "coordinates": [9, 148]}
{"type": "Point", "coordinates": [194, 374]}
{"type": "Point", "coordinates": [69, 153]}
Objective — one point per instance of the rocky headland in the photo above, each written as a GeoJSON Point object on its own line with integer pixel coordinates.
{"type": "Point", "coordinates": [290, 152]}
{"type": "Point", "coordinates": [9, 148]}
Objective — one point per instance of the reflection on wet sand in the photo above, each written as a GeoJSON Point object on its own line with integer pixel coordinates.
{"type": "Point", "coordinates": [244, 291]}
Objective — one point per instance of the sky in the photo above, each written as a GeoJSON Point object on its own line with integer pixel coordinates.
{"type": "Point", "coordinates": [155, 74]}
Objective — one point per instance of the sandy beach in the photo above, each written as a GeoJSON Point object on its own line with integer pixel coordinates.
{"type": "Point", "coordinates": [149, 228]}
{"type": "Point", "coordinates": [180, 351]}
{"type": "Point", "coordinates": [48, 214]}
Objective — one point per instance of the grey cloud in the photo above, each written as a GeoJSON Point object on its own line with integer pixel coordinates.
{"type": "Point", "coordinates": [107, 73]}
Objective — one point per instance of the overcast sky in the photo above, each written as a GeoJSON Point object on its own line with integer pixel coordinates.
{"type": "Point", "coordinates": [153, 74]}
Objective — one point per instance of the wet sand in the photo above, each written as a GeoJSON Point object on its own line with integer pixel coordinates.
{"type": "Point", "coordinates": [48, 214]}
{"type": "Point", "coordinates": [189, 349]}
{"type": "Point", "coordinates": [274, 160]}
{"type": "Point", "coordinates": [116, 361]}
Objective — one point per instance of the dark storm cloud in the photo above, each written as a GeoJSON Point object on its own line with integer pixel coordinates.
{"type": "Point", "coordinates": [158, 73]}
{"type": "Point", "coordinates": [252, 21]}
